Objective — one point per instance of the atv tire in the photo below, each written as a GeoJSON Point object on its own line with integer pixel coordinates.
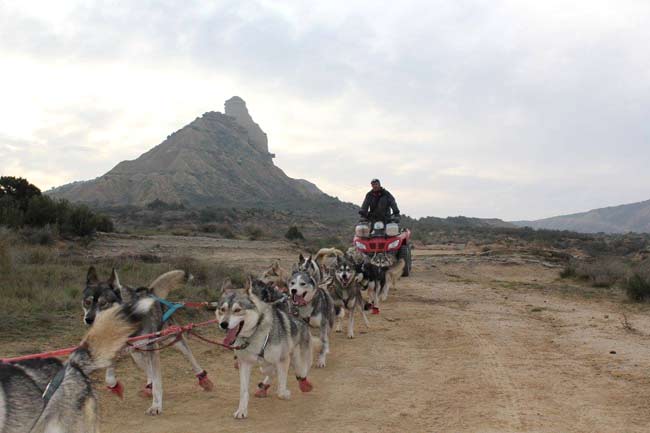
{"type": "Point", "coordinates": [405, 253]}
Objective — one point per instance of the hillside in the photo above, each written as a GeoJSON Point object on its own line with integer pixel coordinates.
{"type": "Point", "coordinates": [633, 217]}
{"type": "Point", "coordinates": [219, 160]}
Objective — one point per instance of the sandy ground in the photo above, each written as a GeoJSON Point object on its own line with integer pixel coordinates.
{"type": "Point", "coordinates": [465, 344]}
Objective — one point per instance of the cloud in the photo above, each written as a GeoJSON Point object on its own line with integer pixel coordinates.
{"type": "Point", "coordinates": [514, 109]}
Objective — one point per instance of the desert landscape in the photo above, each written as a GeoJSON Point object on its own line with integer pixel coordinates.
{"type": "Point", "coordinates": [470, 342]}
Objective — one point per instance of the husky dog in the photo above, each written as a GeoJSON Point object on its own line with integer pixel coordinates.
{"type": "Point", "coordinates": [309, 265]}
{"type": "Point", "coordinates": [315, 306]}
{"type": "Point", "coordinates": [263, 333]}
{"type": "Point", "coordinates": [346, 292]}
{"type": "Point", "coordinates": [46, 395]}
{"type": "Point", "coordinates": [101, 295]}
{"type": "Point", "coordinates": [395, 272]}
{"type": "Point", "coordinates": [276, 276]}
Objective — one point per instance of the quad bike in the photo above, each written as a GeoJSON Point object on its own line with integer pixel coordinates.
{"type": "Point", "coordinates": [384, 244]}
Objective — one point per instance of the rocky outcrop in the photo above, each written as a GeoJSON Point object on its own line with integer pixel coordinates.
{"type": "Point", "coordinates": [217, 160]}
{"type": "Point", "coordinates": [236, 107]}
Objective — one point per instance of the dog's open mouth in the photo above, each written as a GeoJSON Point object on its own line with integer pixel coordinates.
{"type": "Point", "coordinates": [232, 334]}
{"type": "Point", "coordinates": [298, 300]}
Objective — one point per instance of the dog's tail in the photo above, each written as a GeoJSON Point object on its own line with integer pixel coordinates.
{"type": "Point", "coordinates": [327, 252]}
{"type": "Point", "coordinates": [169, 281]}
{"type": "Point", "coordinates": [109, 334]}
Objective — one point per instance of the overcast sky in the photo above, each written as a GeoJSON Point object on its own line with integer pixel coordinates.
{"type": "Point", "coordinates": [511, 109]}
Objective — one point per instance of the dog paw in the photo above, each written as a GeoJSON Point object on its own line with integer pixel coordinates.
{"type": "Point", "coordinates": [350, 336]}
{"type": "Point", "coordinates": [117, 389]}
{"type": "Point", "coordinates": [284, 395]}
{"type": "Point", "coordinates": [320, 363]}
{"type": "Point", "coordinates": [154, 410]}
{"type": "Point", "coordinates": [145, 392]}
{"type": "Point", "coordinates": [338, 329]}
{"type": "Point", "coordinates": [240, 414]}
{"type": "Point", "coordinates": [205, 382]}
{"type": "Point", "coordinates": [305, 385]}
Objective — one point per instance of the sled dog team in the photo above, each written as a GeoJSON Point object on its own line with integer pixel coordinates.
{"type": "Point", "coordinates": [267, 323]}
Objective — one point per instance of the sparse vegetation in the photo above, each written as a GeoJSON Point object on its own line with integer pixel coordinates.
{"type": "Point", "coordinates": [40, 286]}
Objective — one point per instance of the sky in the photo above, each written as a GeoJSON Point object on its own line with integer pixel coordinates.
{"type": "Point", "coordinates": [512, 109]}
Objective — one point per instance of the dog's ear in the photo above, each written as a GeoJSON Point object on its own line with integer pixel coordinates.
{"type": "Point", "coordinates": [276, 265]}
{"type": "Point", "coordinates": [91, 277]}
{"type": "Point", "coordinates": [339, 260]}
{"type": "Point", "coordinates": [114, 280]}
{"type": "Point", "coordinates": [226, 286]}
{"type": "Point", "coordinates": [301, 259]}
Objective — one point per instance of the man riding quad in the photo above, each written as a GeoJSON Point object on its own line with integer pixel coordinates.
{"type": "Point", "coordinates": [378, 204]}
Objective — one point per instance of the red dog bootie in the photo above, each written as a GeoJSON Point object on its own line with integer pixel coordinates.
{"type": "Point", "coordinates": [262, 390]}
{"type": "Point", "coordinates": [204, 381]}
{"type": "Point", "coordinates": [304, 384]}
{"type": "Point", "coordinates": [146, 391]}
{"type": "Point", "coordinates": [375, 310]}
{"type": "Point", "coordinates": [117, 389]}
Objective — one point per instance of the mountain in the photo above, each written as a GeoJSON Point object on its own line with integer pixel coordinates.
{"type": "Point", "coordinates": [625, 218]}
{"type": "Point", "coordinates": [219, 160]}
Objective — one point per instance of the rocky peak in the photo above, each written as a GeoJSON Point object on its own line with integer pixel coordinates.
{"type": "Point", "coordinates": [236, 107]}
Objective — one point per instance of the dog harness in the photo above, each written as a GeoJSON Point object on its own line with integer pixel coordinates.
{"type": "Point", "coordinates": [54, 384]}
{"type": "Point", "coordinates": [342, 292]}
{"type": "Point", "coordinates": [170, 307]}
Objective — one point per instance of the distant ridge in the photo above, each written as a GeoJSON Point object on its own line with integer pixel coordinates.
{"type": "Point", "coordinates": [634, 217]}
{"type": "Point", "coordinates": [219, 160]}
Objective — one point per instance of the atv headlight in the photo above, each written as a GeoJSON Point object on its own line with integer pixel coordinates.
{"type": "Point", "coordinates": [393, 244]}
{"type": "Point", "coordinates": [360, 246]}
{"type": "Point", "coordinates": [378, 225]}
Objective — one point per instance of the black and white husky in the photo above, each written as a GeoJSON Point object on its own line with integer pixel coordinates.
{"type": "Point", "coordinates": [315, 306]}
{"type": "Point", "coordinates": [263, 332]}
{"type": "Point", "coordinates": [100, 295]}
{"type": "Point", "coordinates": [46, 395]}
{"type": "Point", "coordinates": [345, 289]}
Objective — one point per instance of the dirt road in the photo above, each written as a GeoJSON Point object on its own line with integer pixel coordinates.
{"type": "Point", "coordinates": [464, 345]}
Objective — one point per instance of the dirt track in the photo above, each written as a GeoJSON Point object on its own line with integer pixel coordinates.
{"type": "Point", "coordinates": [464, 345]}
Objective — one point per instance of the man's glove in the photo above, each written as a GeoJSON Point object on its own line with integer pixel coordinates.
{"type": "Point", "coordinates": [396, 218]}
{"type": "Point", "coordinates": [363, 213]}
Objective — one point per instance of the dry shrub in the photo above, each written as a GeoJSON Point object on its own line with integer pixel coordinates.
{"type": "Point", "coordinates": [601, 272]}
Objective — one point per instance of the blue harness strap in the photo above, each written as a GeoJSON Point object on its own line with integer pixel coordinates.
{"type": "Point", "coordinates": [172, 307]}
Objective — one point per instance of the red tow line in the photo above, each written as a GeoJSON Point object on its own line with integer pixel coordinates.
{"type": "Point", "coordinates": [171, 330]}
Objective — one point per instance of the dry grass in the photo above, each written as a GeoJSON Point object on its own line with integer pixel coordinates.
{"type": "Point", "coordinates": [41, 286]}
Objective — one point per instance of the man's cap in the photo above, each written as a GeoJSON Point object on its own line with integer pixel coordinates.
{"type": "Point", "coordinates": [375, 181]}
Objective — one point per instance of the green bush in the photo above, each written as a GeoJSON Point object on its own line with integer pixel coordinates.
{"type": "Point", "coordinates": [294, 234]}
{"type": "Point", "coordinates": [637, 287]}
{"type": "Point", "coordinates": [253, 232]}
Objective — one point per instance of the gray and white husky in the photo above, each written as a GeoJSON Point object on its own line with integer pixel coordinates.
{"type": "Point", "coordinates": [346, 293]}
{"type": "Point", "coordinates": [46, 395]}
{"type": "Point", "coordinates": [100, 295]}
{"type": "Point", "coordinates": [315, 306]}
{"type": "Point", "coordinates": [264, 333]}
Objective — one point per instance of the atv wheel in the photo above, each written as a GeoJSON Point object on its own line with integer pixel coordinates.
{"type": "Point", "coordinates": [405, 253]}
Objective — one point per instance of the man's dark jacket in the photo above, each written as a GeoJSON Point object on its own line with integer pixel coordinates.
{"type": "Point", "coordinates": [377, 205]}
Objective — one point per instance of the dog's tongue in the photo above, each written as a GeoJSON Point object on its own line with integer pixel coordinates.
{"type": "Point", "coordinates": [231, 336]}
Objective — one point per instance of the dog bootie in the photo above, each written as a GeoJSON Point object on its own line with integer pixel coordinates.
{"type": "Point", "coordinates": [375, 310]}
{"type": "Point", "coordinates": [262, 390]}
{"type": "Point", "coordinates": [117, 389]}
{"type": "Point", "coordinates": [305, 385]}
{"type": "Point", "coordinates": [204, 381]}
{"type": "Point", "coordinates": [146, 391]}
